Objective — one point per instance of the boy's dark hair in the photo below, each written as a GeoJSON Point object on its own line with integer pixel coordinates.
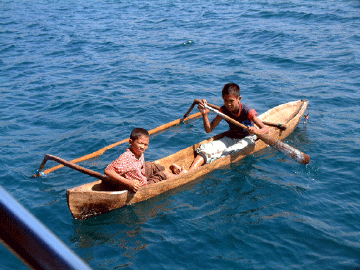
{"type": "Point", "coordinates": [231, 88]}
{"type": "Point", "coordinates": [138, 132]}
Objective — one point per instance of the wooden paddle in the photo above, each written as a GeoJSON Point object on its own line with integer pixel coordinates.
{"type": "Point", "coordinates": [102, 151]}
{"type": "Point", "coordinates": [197, 101]}
{"type": "Point", "coordinates": [278, 145]}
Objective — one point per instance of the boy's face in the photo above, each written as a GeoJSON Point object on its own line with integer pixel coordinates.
{"type": "Point", "coordinates": [139, 146]}
{"type": "Point", "coordinates": [231, 102]}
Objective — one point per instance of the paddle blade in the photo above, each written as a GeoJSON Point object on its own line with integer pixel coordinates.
{"type": "Point", "coordinates": [292, 152]}
{"type": "Point", "coordinates": [286, 149]}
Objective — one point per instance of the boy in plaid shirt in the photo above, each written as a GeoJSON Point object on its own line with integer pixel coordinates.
{"type": "Point", "coordinates": [130, 171]}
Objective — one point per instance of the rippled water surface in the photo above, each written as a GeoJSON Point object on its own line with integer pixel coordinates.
{"type": "Point", "coordinates": [76, 76]}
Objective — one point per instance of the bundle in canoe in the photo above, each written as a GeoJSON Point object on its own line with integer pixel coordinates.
{"type": "Point", "coordinates": [98, 198]}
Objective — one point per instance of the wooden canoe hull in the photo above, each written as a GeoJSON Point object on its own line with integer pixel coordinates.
{"type": "Point", "coordinates": [96, 198]}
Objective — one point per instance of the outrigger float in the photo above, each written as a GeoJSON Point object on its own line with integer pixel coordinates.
{"type": "Point", "coordinates": [100, 197]}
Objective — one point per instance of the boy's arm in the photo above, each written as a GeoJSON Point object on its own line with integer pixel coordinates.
{"type": "Point", "coordinates": [207, 125]}
{"type": "Point", "coordinates": [262, 128]}
{"type": "Point", "coordinates": [133, 185]}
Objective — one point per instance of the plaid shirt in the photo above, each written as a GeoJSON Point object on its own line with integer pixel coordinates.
{"type": "Point", "coordinates": [129, 167]}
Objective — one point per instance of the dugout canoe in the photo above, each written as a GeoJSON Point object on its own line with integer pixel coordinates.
{"type": "Point", "coordinates": [99, 197]}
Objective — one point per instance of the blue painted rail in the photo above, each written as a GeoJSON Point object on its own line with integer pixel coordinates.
{"type": "Point", "coordinates": [31, 241]}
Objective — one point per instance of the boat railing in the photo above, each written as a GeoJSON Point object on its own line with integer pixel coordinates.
{"type": "Point", "coordinates": [31, 241]}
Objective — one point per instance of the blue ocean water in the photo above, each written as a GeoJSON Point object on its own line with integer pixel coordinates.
{"type": "Point", "coordinates": [76, 76]}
